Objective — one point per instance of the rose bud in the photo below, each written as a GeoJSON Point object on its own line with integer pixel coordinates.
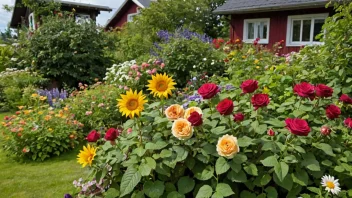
{"type": "Point", "coordinates": [195, 119]}
{"type": "Point", "coordinates": [249, 86]}
{"type": "Point", "coordinates": [225, 107]}
{"type": "Point", "coordinates": [271, 132]}
{"type": "Point", "coordinates": [93, 136]}
{"type": "Point", "coordinates": [238, 117]}
{"type": "Point", "coordinates": [325, 130]}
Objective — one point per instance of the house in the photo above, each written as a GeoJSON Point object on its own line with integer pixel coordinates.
{"type": "Point", "coordinates": [126, 12]}
{"type": "Point", "coordinates": [297, 22]}
{"type": "Point", "coordinates": [23, 15]}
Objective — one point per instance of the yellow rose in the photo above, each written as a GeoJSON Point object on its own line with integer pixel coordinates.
{"type": "Point", "coordinates": [227, 146]}
{"type": "Point", "coordinates": [182, 129]}
{"type": "Point", "coordinates": [191, 110]}
{"type": "Point", "coordinates": [174, 112]}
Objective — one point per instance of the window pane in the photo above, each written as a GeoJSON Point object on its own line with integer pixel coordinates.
{"type": "Point", "coordinates": [262, 30]}
{"type": "Point", "coordinates": [296, 32]}
{"type": "Point", "coordinates": [318, 24]}
{"type": "Point", "coordinates": [306, 30]}
{"type": "Point", "coordinates": [250, 28]}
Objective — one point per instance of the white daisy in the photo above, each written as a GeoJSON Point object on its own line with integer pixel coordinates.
{"type": "Point", "coordinates": [330, 184]}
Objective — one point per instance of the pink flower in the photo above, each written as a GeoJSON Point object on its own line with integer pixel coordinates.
{"type": "Point", "coordinates": [101, 105]}
{"type": "Point", "coordinates": [149, 72]}
{"type": "Point", "coordinates": [120, 86]}
{"type": "Point", "coordinates": [137, 78]}
{"type": "Point", "coordinates": [154, 71]}
{"type": "Point", "coordinates": [271, 132]}
{"type": "Point", "coordinates": [130, 73]}
{"type": "Point", "coordinates": [126, 88]}
{"type": "Point", "coordinates": [162, 65]}
{"type": "Point", "coordinates": [134, 67]}
{"type": "Point", "coordinates": [88, 113]}
{"type": "Point", "coordinates": [139, 74]}
{"type": "Point", "coordinates": [129, 130]}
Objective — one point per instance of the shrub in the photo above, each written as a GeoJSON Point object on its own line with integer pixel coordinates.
{"type": "Point", "coordinates": [40, 132]}
{"type": "Point", "coordinates": [264, 152]}
{"type": "Point", "coordinates": [6, 57]}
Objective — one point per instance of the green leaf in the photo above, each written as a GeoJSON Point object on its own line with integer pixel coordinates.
{"type": "Point", "coordinates": [129, 180]}
{"type": "Point", "coordinates": [151, 162]}
{"type": "Point", "coordinates": [144, 169]}
{"type": "Point", "coordinates": [182, 153]}
{"type": "Point", "coordinates": [281, 170]}
{"type": "Point", "coordinates": [239, 158]}
{"type": "Point", "coordinates": [245, 141]}
{"type": "Point", "coordinates": [239, 177]}
{"type": "Point", "coordinates": [203, 173]}
{"type": "Point", "coordinates": [128, 124]}
{"type": "Point", "coordinates": [139, 151]}
{"type": "Point", "coordinates": [270, 161]}
{"type": "Point", "coordinates": [261, 129]}
{"type": "Point", "coordinates": [224, 189]}
{"type": "Point", "coordinates": [221, 166]}
{"type": "Point", "coordinates": [251, 169]}
{"type": "Point", "coordinates": [235, 167]}
{"type": "Point", "coordinates": [272, 193]}
{"type": "Point", "coordinates": [310, 162]}
{"type": "Point", "coordinates": [265, 179]}
{"type": "Point", "coordinates": [154, 189]}
{"type": "Point", "coordinates": [247, 194]}
{"type": "Point", "coordinates": [204, 192]}
{"type": "Point", "coordinates": [185, 184]}
{"type": "Point", "coordinates": [175, 194]}
{"type": "Point", "coordinates": [156, 146]}
{"type": "Point", "coordinates": [112, 193]}
{"type": "Point", "coordinates": [325, 147]}
{"type": "Point", "coordinates": [300, 177]}
{"type": "Point", "coordinates": [299, 149]}
{"type": "Point", "coordinates": [287, 183]}
{"type": "Point", "coordinates": [165, 153]}
{"type": "Point", "coordinates": [155, 104]}
{"type": "Point", "coordinates": [219, 130]}
{"type": "Point", "coordinates": [276, 123]}
{"type": "Point", "coordinates": [314, 190]}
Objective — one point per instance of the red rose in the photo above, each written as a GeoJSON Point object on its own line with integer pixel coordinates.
{"type": "Point", "coordinates": [332, 112]}
{"type": "Point", "coordinates": [260, 100]}
{"type": "Point", "coordinates": [271, 132]}
{"type": "Point", "coordinates": [305, 90]}
{"type": "Point", "coordinates": [208, 90]}
{"type": "Point", "coordinates": [225, 107]}
{"type": "Point", "coordinates": [195, 119]}
{"type": "Point", "coordinates": [6, 118]}
{"type": "Point", "coordinates": [346, 99]}
{"type": "Point", "coordinates": [297, 126]}
{"type": "Point", "coordinates": [111, 134]}
{"type": "Point", "coordinates": [238, 117]}
{"type": "Point", "coordinates": [348, 122]}
{"type": "Point", "coordinates": [323, 91]}
{"type": "Point", "coordinates": [325, 130]}
{"type": "Point", "coordinates": [93, 136]}
{"type": "Point", "coordinates": [249, 86]}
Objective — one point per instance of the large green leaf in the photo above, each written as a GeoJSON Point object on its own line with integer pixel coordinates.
{"type": "Point", "coordinates": [251, 169]}
{"type": "Point", "coordinates": [203, 173]}
{"type": "Point", "coordinates": [270, 161]}
{"type": "Point", "coordinates": [221, 166]}
{"type": "Point", "coordinates": [224, 189]}
{"type": "Point", "coordinates": [281, 170]}
{"type": "Point", "coordinates": [310, 162]}
{"type": "Point", "coordinates": [185, 185]}
{"type": "Point", "coordinates": [156, 146]}
{"type": "Point", "coordinates": [239, 177]}
{"type": "Point", "coordinates": [129, 181]}
{"type": "Point", "coordinates": [325, 147]}
{"type": "Point", "coordinates": [175, 194]}
{"type": "Point", "coordinates": [245, 141]}
{"type": "Point", "coordinates": [287, 183]}
{"type": "Point", "coordinates": [272, 193]}
{"type": "Point", "coordinates": [154, 189]}
{"type": "Point", "coordinates": [300, 177]}
{"type": "Point", "coordinates": [204, 192]}
{"type": "Point", "coordinates": [276, 123]}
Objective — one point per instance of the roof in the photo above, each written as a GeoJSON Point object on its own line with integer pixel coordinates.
{"type": "Point", "coordinates": [139, 3]}
{"type": "Point", "coordinates": [85, 5]}
{"type": "Point", "coordinates": [250, 6]}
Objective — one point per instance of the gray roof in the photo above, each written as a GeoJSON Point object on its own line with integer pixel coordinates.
{"type": "Point", "coordinates": [145, 3]}
{"type": "Point", "coordinates": [85, 5]}
{"type": "Point", "coordinates": [250, 6]}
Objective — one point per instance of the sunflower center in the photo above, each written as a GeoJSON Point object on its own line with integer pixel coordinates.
{"type": "Point", "coordinates": [330, 185]}
{"type": "Point", "coordinates": [161, 86]}
{"type": "Point", "coordinates": [132, 104]}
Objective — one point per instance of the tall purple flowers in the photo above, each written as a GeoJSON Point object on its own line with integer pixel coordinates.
{"type": "Point", "coordinates": [54, 95]}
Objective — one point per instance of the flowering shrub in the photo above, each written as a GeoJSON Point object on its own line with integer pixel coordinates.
{"type": "Point", "coordinates": [240, 143]}
{"type": "Point", "coordinates": [41, 132]}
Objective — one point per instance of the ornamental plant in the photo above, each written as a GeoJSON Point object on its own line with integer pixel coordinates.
{"type": "Point", "coordinates": [40, 132]}
{"type": "Point", "coordinates": [230, 144]}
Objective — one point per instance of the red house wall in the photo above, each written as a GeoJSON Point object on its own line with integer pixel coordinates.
{"type": "Point", "coordinates": [278, 24]}
{"type": "Point", "coordinates": [121, 17]}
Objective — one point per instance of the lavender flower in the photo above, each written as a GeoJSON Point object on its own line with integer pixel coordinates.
{"type": "Point", "coordinates": [68, 196]}
{"type": "Point", "coordinates": [53, 95]}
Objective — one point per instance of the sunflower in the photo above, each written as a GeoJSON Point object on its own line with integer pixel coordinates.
{"type": "Point", "coordinates": [132, 103]}
{"type": "Point", "coordinates": [86, 156]}
{"type": "Point", "coordinates": [161, 85]}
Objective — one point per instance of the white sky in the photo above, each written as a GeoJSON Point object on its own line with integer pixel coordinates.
{"type": "Point", "coordinates": [5, 17]}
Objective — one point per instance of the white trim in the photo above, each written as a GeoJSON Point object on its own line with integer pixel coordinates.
{"type": "Point", "coordinates": [245, 30]}
{"type": "Point", "coordinates": [289, 32]}
{"type": "Point", "coordinates": [138, 3]}
{"type": "Point", "coordinates": [130, 16]}
{"type": "Point", "coordinates": [31, 22]}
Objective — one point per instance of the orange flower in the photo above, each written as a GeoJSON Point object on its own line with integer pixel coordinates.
{"type": "Point", "coordinates": [20, 107]}
{"type": "Point", "coordinates": [47, 117]}
{"type": "Point", "coordinates": [227, 146]}
{"type": "Point", "coordinates": [182, 129]}
{"type": "Point", "coordinates": [20, 129]}
{"type": "Point", "coordinates": [174, 112]}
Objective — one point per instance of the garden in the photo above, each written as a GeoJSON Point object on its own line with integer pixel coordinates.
{"type": "Point", "coordinates": [174, 108]}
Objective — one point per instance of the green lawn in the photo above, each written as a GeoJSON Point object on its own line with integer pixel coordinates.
{"type": "Point", "coordinates": [52, 178]}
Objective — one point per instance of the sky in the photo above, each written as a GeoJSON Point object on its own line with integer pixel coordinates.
{"type": "Point", "coordinates": [5, 17]}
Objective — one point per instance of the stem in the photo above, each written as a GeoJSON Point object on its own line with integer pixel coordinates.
{"type": "Point", "coordinates": [209, 103]}
{"type": "Point", "coordinates": [230, 123]}
{"type": "Point", "coordinates": [140, 131]}
{"type": "Point", "coordinates": [162, 106]}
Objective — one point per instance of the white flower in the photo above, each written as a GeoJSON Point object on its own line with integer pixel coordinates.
{"type": "Point", "coordinates": [330, 184]}
{"type": "Point", "coordinates": [204, 59]}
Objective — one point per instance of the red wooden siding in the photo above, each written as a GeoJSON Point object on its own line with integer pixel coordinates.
{"type": "Point", "coordinates": [121, 17]}
{"type": "Point", "coordinates": [278, 24]}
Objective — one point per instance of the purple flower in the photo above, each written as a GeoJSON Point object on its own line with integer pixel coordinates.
{"type": "Point", "coordinates": [68, 196]}
{"type": "Point", "coordinates": [229, 87]}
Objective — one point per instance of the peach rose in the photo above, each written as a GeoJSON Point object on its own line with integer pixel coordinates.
{"type": "Point", "coordinates": [191, 110]}
{"type": "Point", "coordinates": [227, 146]}
{"type": "Point", "coordinates": [182, 129]}
{"type": "Point", "coordinates": [174, 112]}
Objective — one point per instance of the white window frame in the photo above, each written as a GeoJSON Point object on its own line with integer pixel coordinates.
{"type": "Point", "coordinates": [130, 16]}
{"type": "Point", "coordinates": [289, 33]}
{"type": "Point", "coordinates": [31, 23]}
{"type": "Point", "coordinates": [245, 30]}
{"type": "Point", "coordinates": [80, 18]}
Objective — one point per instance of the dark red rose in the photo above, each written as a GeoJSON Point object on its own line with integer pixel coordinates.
{"type": "Point", "coordinates": [332, 112]}
{"type": "Point", "coordinates": [305, 90]}
{"type": "Point", "coordinates": [195, 119]}
{"type": "Point", "coordinates": [297, 126]}
{"type": "Point", "coordinates": [348, 122]}
{"type": "Point", "coordinates": [346, 99]}
{"type": "Point", "coordinates": [255, 43]}
{"type": "Point", "coordinates": [271, 132]}
{"type": "Point", "coordinates": [325, 130]}
{"type": "Point", "coordinates": [260, 100]}
{"type": "Point", "coordinates": [93, 136]}
{"type": "Point", "coordinates": [6, 118]}
{"type": "Point", "coordinates": [111, 134]}
{"type": "Point", "coordinates": [208, 90]}
{"type": "Point", "coordinates": [225, 107]}
{"type": "Point", "coordinates": [238, 117]}
{"type": "Point", "coordinates": [249, 86]}
{"type": "Point", "coordinates": [323, 91]}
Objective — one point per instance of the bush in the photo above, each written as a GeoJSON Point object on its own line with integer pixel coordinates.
{"type": "Point", "coordinates": [6, 57]}
{"type": "Point", "coordinates": [40, 132]}
{"type": "Point", "coordinates": [69, 52]}
{"type": "Point", "coordinates": [159, 155]}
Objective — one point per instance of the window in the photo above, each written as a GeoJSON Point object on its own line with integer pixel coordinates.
{"type": "Point", "coordinates": [256, 28]}
{"type": "Point", "coordinates": [31, 22]}
{"type": "Point", "coordinates": [303, 29]}
{"type": "Point", "coordinates": [131, 16]}
{"type": "Point", "coordinates": [81, 18]}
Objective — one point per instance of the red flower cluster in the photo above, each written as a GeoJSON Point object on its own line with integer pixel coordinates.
{"type": "Point", "coordinates": [307, 90]}
{"type": "Point", "coordinates": [256, 41]}
{"type": "Point", "coordinates": [348, 122]}
{"type": "Point", "coordinates": [218, 42]}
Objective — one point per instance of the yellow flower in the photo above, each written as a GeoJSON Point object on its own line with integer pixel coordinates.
{"type": "Point", "coordinates": [257, 67]}
{"type": "Point", "coordinates": [256, 61]}
{"type": "Point", "coordinates": [161, 85]}
{"type": "Point", "coordinates": [227, 146]}
{"type": "Point", "coordinates": [20, 107]}
{"type": "Point", "coordinates": [244, 57]}
{"type": "Point", "coordinates": [42, 98]}
{"type": "Point", "coordinates": [86, 156]}
{"type": "Point", "coordinates": [266, 90]}
{"type": "Point", "coordinates": [174, 112]}
{"type": "Point", "coordinates": [66, 109]}
{"type": "Point", "coordinates": [50, 129]}
{"type": "Point", "coordinates": [182, 129]}
{"type": "Point", "coordinates": [190, 110]}
{"type": "Point", "coordinates": [132, 103]}
{"type": "Point", "coordinates": [40, 113]}
{"type": "Point", "coordinates": [26, 112]}
{"type": "Point", "coordinates": [34, 95]}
